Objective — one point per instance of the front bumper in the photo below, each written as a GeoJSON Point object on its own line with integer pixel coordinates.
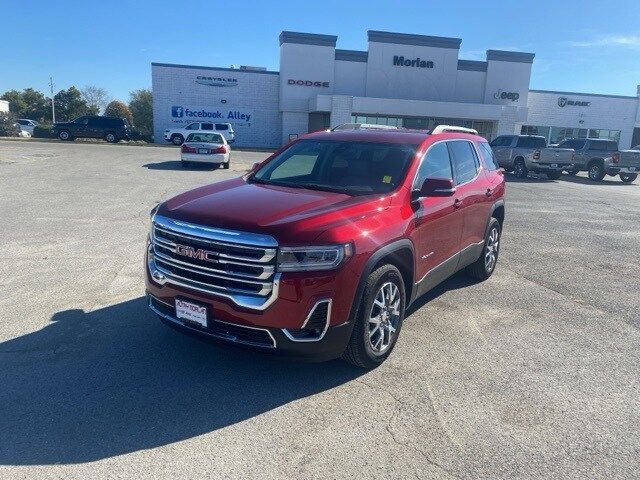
{"type": "Point", "coordinates": [216, 158]}
{"type": "Point", "coordinates": [548, 167]}
{"type": "Point", "coordinates": [613, 171]}
{"type": "Point", "coordinates": [269, 340]}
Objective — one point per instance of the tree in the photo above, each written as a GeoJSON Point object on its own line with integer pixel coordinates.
{"type": "Point", "coordinates": [70, 105]}
{"type": "Point", "coordinates": [29, 103]}
{"type": "Point", "coordinates": [8, 125]}
{"type": "Point", "coordinates": [118, 109]}
{"type": "Point", "coordinates": [95, 96]}
{"type": "Point", "coordinates": [141, 106]}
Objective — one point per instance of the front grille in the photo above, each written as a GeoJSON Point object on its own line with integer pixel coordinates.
{"type": "Point", "coordinates": [215, 261]}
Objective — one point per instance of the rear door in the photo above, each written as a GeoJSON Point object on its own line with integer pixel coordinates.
{"type": "Point", "coordinates": [438, 220]}
{"type": "Point", "coordinates": [471, 191]}
{"type": "Point", "coordinates": [502, 150]}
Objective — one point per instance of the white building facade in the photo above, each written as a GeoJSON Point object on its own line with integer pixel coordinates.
{"type": "Point", "coordinates": [415, 81]}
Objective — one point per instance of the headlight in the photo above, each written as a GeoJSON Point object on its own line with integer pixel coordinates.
{"type": "Point", "coordinates": [299, 259]}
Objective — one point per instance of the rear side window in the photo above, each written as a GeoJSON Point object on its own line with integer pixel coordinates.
{"type": "Point", "coordinates": [435, 164]}
{"type": "Point", "coordinates": [575, 144]}
{"type": "Point", "coordinates": [531, 142]}
{"type": "Point", "coordinates": [603, 145]}
{"type": "Point", "coordinates": [465, 162]}
{"type": "Point", "coordinates": [207, 126]}
{"type": "Point", "coordinates": [487, 156]}
{"type": "Point", "coordinates": [222, 126]}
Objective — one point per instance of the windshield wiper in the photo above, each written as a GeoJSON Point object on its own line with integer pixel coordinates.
{"type": "Point", "coordinates": [321, 186]}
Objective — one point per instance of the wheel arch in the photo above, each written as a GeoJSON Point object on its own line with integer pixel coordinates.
{"type": "Point", "coordinates": [401, 254]}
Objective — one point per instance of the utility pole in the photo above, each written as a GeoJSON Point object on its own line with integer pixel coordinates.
{"type": "Point", "coordinates": [53, 107]}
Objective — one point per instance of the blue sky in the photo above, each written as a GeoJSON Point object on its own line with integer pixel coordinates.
{"type": "Point", "coordinates": [587, 46]}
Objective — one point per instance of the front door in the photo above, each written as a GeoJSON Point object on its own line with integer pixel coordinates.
{"type": "Point", "coordinates": [438, 223]}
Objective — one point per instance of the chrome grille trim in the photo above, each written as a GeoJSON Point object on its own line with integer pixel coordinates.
{"type": "Point", "coordinates": [221, 268]}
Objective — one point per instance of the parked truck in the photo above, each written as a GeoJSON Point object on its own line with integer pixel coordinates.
{"type": "Point", "coordinates": [626, 164]}
{"type": "Point", "coordinates": [522, 154]}
{"type": "Point", "coordinates": [591, 156]}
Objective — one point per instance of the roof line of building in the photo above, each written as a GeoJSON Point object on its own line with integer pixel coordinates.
{"type": "Point", "coordinates": [472, 65]}
{"type": "Point", "coordinates": [508, 56]}
{"type": "Point", "coordinates": [308, 38]}
{"type": "Point", "coordinates": [351, 55]}
{"type": "Point", "coordinates": [219, 69]}
{"type": "Point", "coordinates": [583, 94]}
{"type": "Point", "coordinates": [413, 39]}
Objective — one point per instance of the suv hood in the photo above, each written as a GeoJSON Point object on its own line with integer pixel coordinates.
{"type": "Point", "coordinates": [292, 215]}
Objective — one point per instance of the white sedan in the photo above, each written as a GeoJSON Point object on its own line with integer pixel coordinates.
{"type": "Point", "coordinates": [204, 147]}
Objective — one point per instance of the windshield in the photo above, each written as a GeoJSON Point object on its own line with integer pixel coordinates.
{"type": "Point", "coordinates": [349, 167]}
{"type": "Point", "coordinates": [205, 137]}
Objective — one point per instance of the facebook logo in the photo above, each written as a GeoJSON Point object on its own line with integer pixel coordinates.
{"type": "Point", "coordinates": [177, 112]}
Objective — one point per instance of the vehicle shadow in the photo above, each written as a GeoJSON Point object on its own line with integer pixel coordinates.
{"type": "Point", "coordinates": [531, 178]}
{"type": "Point", "coordinates": [609, 181]}
{"type": "Point", "coordinates": [456, 281]}
{"type": "Point", "coordinates": [92, 385]}
{"type": "Point", "coordinates": [177, 165]}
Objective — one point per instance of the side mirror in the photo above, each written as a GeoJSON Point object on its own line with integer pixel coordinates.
{"type": "Point", "coordinates": [435, 187]}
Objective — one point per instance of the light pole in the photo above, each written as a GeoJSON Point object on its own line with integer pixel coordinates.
{"type": "Point", "coordinates": [53, 107]}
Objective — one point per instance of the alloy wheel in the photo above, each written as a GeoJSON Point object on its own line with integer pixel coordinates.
{"type": "Point", "coordinates": [384, 318]}
{"type": "Point", "coordinates": [491, 249]}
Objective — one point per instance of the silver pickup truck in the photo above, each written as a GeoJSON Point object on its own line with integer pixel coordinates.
{"type": "Point", "coordinates": [626, 164]}
{"type": "Point", "coordinates": [522, 154]}
{"type": "Point", "coordinates": [591, 156]}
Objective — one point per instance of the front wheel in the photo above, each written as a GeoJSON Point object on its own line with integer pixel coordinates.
{"type": "Point", "coordinates": [520, 169]}
{"type": "Point", "coordinates": [379, 318]}
{"type": "Point", "coordinates": [111, 137]}
{"type": "Point", "coordinates": [64, 135]}
{"type": "Point", "coordinates": [177, 139]}
{"type": "Point", "coordinates": [484, 266]}
{"type": "Point", "coordinates": [628, 177]}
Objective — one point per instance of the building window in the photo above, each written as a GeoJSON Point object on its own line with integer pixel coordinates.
{"type": "Point", "coordinates": [484, 127]}
{"type": "Point", "coordinates": [555, 135]}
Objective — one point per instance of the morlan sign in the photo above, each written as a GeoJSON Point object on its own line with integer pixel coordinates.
{"type": "Point", "coordinates": [400, 61]}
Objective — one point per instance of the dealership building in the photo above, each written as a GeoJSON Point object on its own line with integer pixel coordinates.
{"type": "Point", "coordinates": [413, 81]}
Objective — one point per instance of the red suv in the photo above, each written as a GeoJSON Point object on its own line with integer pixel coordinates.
{"type": "Point", "coordinates": [318, 251]}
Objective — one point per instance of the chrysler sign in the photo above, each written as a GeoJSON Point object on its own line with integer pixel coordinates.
{"type": "Point", "coordinates": [217, 81]}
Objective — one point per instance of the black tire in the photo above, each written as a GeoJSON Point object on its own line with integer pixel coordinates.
{"type": "Point", "coordinates": [360, 351]}
{"type": "Point", "coordinates": [226, 165]}
{"type": "Point", "coordinates": [480, 269]}
{"type": "Point", "coordinates": [628, 177]}
{"type": "Point", "coordinates": [554, 175]}
{"type": "Point", "coordinates": [520, 168]}
{"type": "Point", "coordinates": [64, 135]}
{"type": "Point", "coordinates": [596, 171]}
{"type": "Point", "coordinates": [111, 137]}
{"type": "Point", "coordinates": [185, 164]}
{"type": "Point", "coordinates": [177, 139]}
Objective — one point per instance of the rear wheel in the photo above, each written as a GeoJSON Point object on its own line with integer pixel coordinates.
{"type": "Point", "coordinates": [554, 175]}
{"type": "Point", "coordinates": [484, 266]}
{"type": "Point", "coordinates": [379, 318]}
{"type": "Point", "coordinates": [110, 137]}
{"type": "Point", "coordinates": [596, 171]}
{"type": "Point", "coordinates": [628, 177]}
{"type": "Point", "coordinates": [226, 164]}
{"type": "Point", "coordinates": [520, 168]}
{"type": "Point", "coordinates": [177, 139]}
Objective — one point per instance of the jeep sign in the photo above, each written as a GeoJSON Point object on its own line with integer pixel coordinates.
{"type": "Point", "coordinates": [500, 95]}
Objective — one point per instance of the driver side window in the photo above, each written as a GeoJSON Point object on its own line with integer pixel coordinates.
{"type": "Point", "coordinates": [434, 164]}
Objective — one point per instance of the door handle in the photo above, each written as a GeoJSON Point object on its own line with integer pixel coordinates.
{"type": "Point", "coordinates": [488, 192]}
{"type": "Point", "coordinates": [457, 203]}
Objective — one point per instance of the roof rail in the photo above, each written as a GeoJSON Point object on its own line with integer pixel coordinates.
{"type": "Point", "coordinates": [452, 128]}
{"type": "Point", "coordinates": [363, 126]}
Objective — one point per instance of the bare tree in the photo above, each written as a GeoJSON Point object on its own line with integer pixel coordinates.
{"type": "Point", "coordinates": [95, 97]}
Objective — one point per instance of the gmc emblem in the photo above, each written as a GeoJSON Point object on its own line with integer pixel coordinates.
{"type": "Point", "coordinates": [200, 253]}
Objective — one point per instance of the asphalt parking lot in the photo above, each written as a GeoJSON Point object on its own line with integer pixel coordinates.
{"type": "Point", "coordinates": [532, 374]}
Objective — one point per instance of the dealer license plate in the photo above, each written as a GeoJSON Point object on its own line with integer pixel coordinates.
{"type": "Point", "coordinates": [203, 150]}
{"type": "Point", "coordinates": [192, 312]}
